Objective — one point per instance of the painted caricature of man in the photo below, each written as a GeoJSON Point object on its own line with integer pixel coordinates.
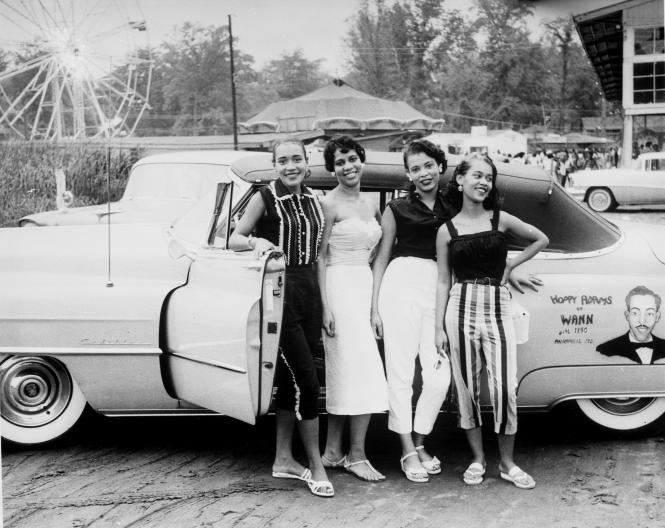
{"type": "Point", "coordinates": [638, 344]}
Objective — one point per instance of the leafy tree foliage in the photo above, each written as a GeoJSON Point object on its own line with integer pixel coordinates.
{"type": "Point", "coordinates": [477, 67]}
{"type": "Point", "coordinates": [482, 69]}
{"type": "Point", "coordinates": [292, 75]}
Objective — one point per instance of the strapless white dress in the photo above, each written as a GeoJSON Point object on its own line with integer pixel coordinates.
{"type": "Point", "coordinates": [355, 379]}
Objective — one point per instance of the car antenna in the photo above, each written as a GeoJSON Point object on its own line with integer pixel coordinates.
{"type": "Point", "coordinates": [109, 283]}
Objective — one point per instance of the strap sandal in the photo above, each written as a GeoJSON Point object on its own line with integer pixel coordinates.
{"type": "Point", "coordinates": [305, 475]}
{"type": "Point", "coordinates": [321, 488]}
{"type": "Point", "coordinates": [330, 464]}
{"type": "Point", "coordinates": [474, 474]}
{"type": "Point", "coordinates": [518, 477]}
{"type": "Point", "coordinates": [433, 467]}
{"type": "Point", "coordinates": [349, 465]}
{"type": "Point", "coordinates": [413, 475]}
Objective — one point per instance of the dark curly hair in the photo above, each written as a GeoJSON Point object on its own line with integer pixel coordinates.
{"type": "Point", "coordinates": [344, 144]}
{"type": "Point", "coordinates": [455, 196]}
{"type": "Point", "coordinates": [422, 146]}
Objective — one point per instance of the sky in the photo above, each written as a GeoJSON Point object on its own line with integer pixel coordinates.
{"type": "Point", "coordinates": [263, 28]}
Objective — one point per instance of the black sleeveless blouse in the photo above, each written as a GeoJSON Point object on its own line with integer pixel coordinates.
{"type": "Point", "coordinates": [293, 222]}
{"type": "Point", "coordinates": [478, 255]}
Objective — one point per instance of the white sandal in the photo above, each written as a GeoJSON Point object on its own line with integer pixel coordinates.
{"type": "Point", "coordinates": [413, 476]}
{"type": "Point", "coordinates": [433, 467]}
{"type": "Point", "coordinates": [321, 488]}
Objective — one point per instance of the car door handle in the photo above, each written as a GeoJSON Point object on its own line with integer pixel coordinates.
{"type": "Point", "coordinates": [254, 266]}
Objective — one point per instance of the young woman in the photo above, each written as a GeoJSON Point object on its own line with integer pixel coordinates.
{"type": "Point", "coordinates": [478, 314]}
{"type": "Point", "coordinates": [403, 306]}
{"type": "Point", "coordinates": [355, 382]}
{"type": "Point", "coordinates": [286, 214]}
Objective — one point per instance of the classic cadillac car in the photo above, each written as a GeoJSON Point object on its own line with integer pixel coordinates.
{"type": "Point", "coordinates": [160, 188]}
{"type": "Point", "coordinates": [170, 322]}
{"type": "Point", "coordinates": [605, 189]}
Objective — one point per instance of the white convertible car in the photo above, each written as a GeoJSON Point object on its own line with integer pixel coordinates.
{"type": "Point", "coordinates": [605, 189]}
{"type": "Point", "coordinates": [162, 319]}
{"type": "Point", "coordinates": [160, 188]}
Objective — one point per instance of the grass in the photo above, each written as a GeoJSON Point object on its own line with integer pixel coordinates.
{"type": "Point", "coordinates": [27, 178]}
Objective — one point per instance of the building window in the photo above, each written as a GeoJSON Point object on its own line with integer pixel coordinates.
{"type": "Point", "coordinates": [649, 82]}
{"type": "Point", "coordinates": [649, 41]}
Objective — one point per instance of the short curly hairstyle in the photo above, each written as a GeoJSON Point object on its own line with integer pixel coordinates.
{"type": "Point", "coordinates": [344, 144]}
{"type": "Point", "coordinates": [423, 146]}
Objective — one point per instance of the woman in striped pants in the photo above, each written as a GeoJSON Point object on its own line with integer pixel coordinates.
{"type": "Point", "coordinates": [478, 315]}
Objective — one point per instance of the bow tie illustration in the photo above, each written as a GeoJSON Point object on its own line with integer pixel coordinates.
{"type": "Point", "coordinates": [636, 346]}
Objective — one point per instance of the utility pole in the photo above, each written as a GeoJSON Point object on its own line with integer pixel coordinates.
{"type": "Point", "coordinates": [233, 89]}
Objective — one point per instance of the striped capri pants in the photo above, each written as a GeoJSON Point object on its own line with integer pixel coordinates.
{"type": "Point", "coordinates": [480, 331]}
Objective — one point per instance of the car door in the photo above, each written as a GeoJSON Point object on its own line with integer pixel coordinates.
{"type": "Point", "coordinates": [657, 193]}
{"type": "Point", "coordinates": [649, 184]}
{"type": "Point", "coordinates": [220, 332]}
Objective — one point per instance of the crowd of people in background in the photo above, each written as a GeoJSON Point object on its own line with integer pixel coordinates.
{"type": "Point", "coordinates": [560, 164]}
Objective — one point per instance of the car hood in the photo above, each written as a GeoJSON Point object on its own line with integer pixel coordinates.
{"type": "Point", "coordinates": [122, 212]}
{"type": "Point", "coordinates": [138, 251]}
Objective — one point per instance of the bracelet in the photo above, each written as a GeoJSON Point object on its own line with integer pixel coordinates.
{"type": "Point", "coordinates": [249, 241]}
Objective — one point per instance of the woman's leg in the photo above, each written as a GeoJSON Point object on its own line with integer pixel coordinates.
{"type": "Point", "coordinates": [501, 355]}
{"type": "Point", "coordinates": [284, 461]}
{"type": "Point", "coordinates": [334, 452]}
{"type": "Point", "coordinates": [436, 380]}
{"type": "Point", "coordinates": [359, 424]}
{"type": "Point", "coordinates": [466, 361]}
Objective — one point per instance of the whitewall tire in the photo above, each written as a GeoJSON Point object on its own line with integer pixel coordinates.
{"type": "Point", "coordinates": [635, 415]}
{"type": "Point", "coordinates": [39, 399]}
{"type": "Point", "coordinates": [601, 200]}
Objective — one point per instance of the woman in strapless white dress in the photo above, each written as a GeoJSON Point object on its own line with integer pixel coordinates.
{"type": "Point", "coordinates": [355, 380]}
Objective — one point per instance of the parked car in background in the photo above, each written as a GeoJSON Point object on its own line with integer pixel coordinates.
{"type": "Point", "coordinates": [160, 188]}
{"type": "Point", "coordinates": [173, 323]}
{"type": "Point", "coordinates": [605, 189]}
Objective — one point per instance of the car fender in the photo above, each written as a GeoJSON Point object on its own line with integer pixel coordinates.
{"type": "Point", "coordinates": [104, 328]}
{"type": "Point", "coordinates": [544, 388]}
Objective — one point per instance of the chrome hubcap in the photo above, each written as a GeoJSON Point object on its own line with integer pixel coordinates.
{"type": "Point", "coordinates": [623, 406]}
{"type": "Point", "coordinates": [599, 200]}
{"type": "Point", "coordinates": [35, 391]}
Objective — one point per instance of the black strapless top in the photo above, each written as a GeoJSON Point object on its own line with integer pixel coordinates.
{"type": "Point", "coordinates": [478, 255]}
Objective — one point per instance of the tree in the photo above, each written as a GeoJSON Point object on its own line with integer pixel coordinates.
{"type": "Point", "coordinates": [292, 75]}
{"type": "Point", "coordinates": [194, 68]}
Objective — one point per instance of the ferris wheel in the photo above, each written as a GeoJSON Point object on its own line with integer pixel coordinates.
{"type": "Point", "coordinates": [81, 68]}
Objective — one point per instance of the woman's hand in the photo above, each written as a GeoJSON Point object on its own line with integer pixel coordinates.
{"type": "Point", "coordinates": [377, 324]}
{"type": "Point", "coordinates": [328, 322]}
{"type": "Point", "coordinates": [262, 246]}
{"type": "Point", "coordinates": [506, 272]}
{"type": "Point", "coordinates": [441, 340]}
{"type": "Point", "coordinates": [517, 280]}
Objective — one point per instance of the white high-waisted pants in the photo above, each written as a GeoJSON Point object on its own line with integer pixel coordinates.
{"type": "Point", "coordinates": [407, 306]}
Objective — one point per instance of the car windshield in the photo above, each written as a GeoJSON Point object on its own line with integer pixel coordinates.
{"type": "Point", "coordinates": [193, 226]}
{"type": "Point", "coordinates": [173, 181]}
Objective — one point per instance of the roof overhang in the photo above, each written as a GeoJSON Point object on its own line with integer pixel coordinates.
{"type": "Point", "coordinates": [601, 33]}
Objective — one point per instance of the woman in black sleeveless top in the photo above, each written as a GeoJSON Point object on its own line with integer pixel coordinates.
{"type": "Point", "coordinates": [286, 214]}
{"type": "Point", "coordinates": [478, 313]}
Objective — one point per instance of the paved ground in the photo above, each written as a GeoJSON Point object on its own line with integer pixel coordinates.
{"type": "Point", "coordinates": [214, 472]}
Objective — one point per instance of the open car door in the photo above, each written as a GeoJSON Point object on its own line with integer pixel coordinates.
{"type": "Point", "coordinates": [222, 329]}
